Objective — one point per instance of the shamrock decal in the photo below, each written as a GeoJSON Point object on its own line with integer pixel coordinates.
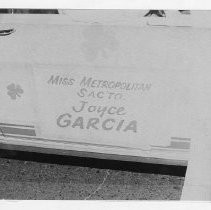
{"type": "Point", "coordinates": [99, 41]}
{"type": "Point", "coordinates": [14, 91]}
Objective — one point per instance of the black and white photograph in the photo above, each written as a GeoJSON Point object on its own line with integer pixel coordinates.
{"type": "Point", "coordinates": [105, 104]}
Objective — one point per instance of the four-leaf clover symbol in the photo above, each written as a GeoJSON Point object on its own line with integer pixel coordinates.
{"type": "Point", "coordinates": [14, 91]}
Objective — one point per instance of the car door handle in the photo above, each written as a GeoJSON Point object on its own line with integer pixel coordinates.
{"type": "Point", "coordinates": [7, 32]}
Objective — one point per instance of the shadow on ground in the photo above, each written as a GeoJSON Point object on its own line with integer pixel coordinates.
{"type": "Point", "coordinates": [95, 163]}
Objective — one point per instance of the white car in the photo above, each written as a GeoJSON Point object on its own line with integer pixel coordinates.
{"type": "Point", "coordinates": [99, 85]}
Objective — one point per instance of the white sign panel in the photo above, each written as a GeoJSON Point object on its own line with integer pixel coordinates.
{"type": "Point", "coordinates": [112, 106]}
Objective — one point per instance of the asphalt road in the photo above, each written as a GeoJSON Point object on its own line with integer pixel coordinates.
{"type": "Point", "coordinates": [35, 176]}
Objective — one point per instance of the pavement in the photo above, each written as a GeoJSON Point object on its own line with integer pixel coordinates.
{"type": "Point", "coordinates": [35, 176]}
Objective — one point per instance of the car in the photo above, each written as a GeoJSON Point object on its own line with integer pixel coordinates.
{"type": "Point", "coordinates": [113, 88]}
